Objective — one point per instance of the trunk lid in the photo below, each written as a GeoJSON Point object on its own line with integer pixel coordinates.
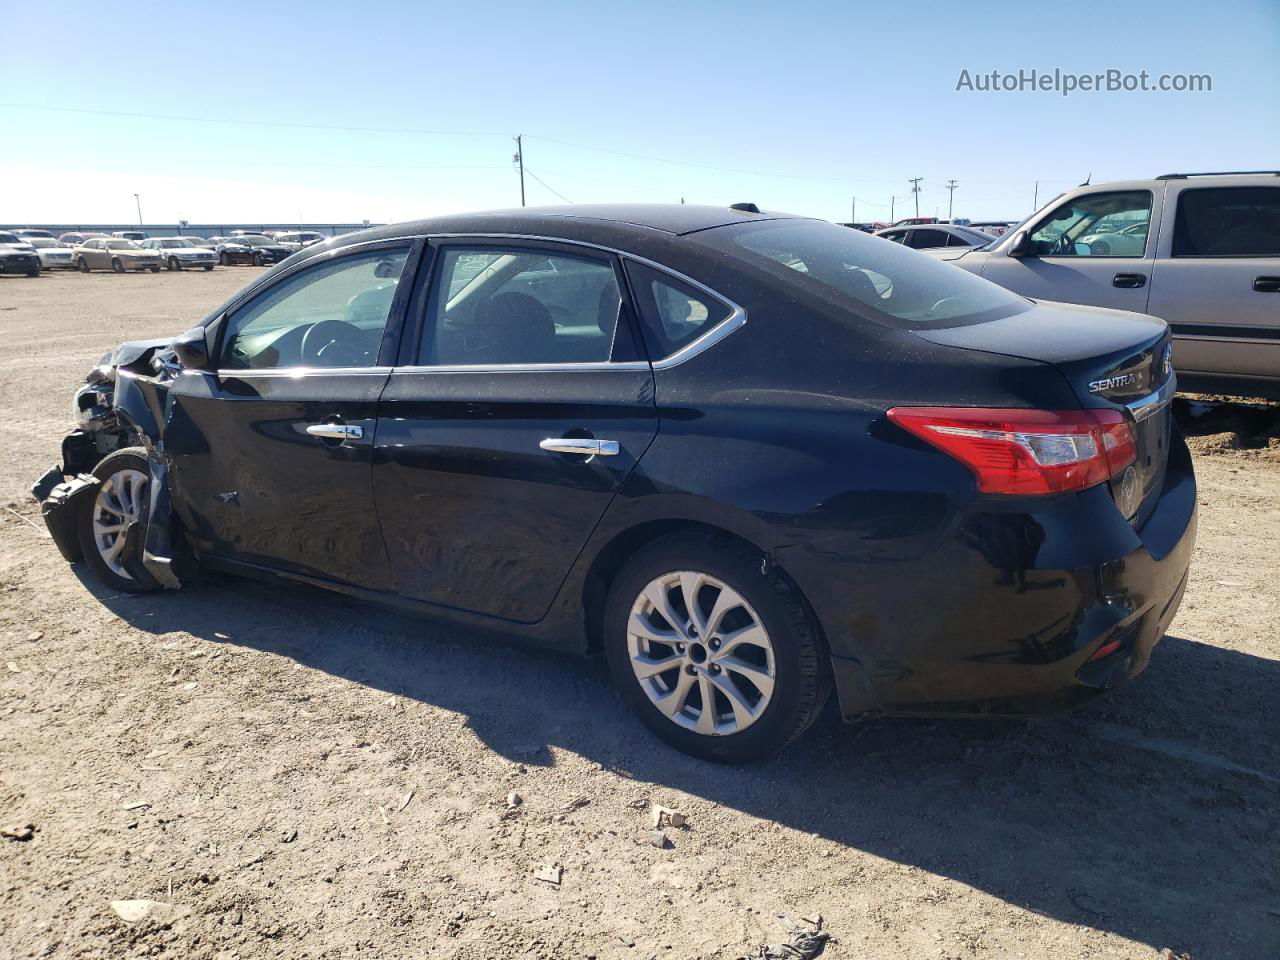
{"type": "Point", "coordinates": [1112, 359]}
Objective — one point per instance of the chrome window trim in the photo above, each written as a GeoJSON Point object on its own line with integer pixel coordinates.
{"type": "Point", "coordinates": [737, 315]}
{"type": "Point", "coordinates": [295, 373]}
{"type": "Point", "coordinates": [1153, 403]}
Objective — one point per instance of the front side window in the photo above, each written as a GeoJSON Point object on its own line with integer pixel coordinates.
{"type": "Point", "coordinates": [333, 315]}
{"type": "Point", "coordinates": [517, 305]}
{"type": "Point", "coordinates": [1228, 222]}
{"type": "Point", "coordinates": [863, 275]}
{"type": "Point", "coordinates": [1096, 225]}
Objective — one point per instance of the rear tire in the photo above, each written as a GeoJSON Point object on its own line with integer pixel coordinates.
{"type": "Point", "coordinates": [208, 266]}
{"type": "Point", "coordinates": [155, 269]}
{"type": "Point", "coordinates": [34, 273]}
{"type": "Point", "coordinates": [761, 659]}
{"type": "Point", "coordinates": [123, 496]}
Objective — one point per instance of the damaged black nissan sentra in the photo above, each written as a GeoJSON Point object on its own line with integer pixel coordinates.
{"type": "Point", "coordinates": [749, 457]}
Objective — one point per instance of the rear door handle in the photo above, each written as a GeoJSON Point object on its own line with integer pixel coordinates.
{"type": "Point", "coordinates": [336, 431]}
{"type": "Point", "coordinates": [1129, 281]}
{"type": "Point", "coordinates": [1266, 284]}
{"type": "Point", "coordinates": [581, 446]}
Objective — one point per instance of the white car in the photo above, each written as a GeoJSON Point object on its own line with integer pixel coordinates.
{"type": "Point", "coordinates": [295, 240]}
{"type": "Point", "coordinates": [937, 236]}
{"type": "Point", "coordinates": [180, 252]}
{"type": "Point", "coordinates": [53, 254]}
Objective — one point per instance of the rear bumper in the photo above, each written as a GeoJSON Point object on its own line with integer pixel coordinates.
{"type": "Point", "coordinates": [1002, 616]}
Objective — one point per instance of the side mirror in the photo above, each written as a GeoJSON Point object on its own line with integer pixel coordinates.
{"type": "Point", "coordinates": [192, 349]}
{"type": "Point", "coordinates": [1021, 245]}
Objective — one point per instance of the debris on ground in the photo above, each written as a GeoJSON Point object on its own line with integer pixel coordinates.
{"type": "Point", "coordinates": [34, 635]}
{"type": "Point", "coordinates": [404, 801]}
{"type": "Point", "coordinates": [288, 836]}
{"type": "Point", "coordinates": [657, 838]}
{"type": "Point", "coordinates": [21, 832]}
{"type": "Point", "coordinates": [549, 874]}
{"type": "Point", "coordinates": [659, 813]}
{"type": "Point", "coordinates": [576, 803]}
{"type": "Point", "coordinates": [136, 805]}
{"type": "Point", "coordinates": [514, 800]}
{"type": "Point", "coordinates": [804, 942]}
{"type": "Point", "coordinates": [135, 911]}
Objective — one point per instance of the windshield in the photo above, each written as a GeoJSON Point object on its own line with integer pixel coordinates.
{"type": "Point", "coordinates": [169, 244]}
{"type": "Point", "coordinates": [253, 241]}
{"type": "Point", "coordinates": [901, 288]}
{"type": "Point", "coordinates": [43, 242]}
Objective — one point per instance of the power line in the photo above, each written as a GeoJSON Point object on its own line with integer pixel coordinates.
{"type": "Point", "coordinates": [547, 185]}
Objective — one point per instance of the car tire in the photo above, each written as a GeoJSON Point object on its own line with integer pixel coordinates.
{"type": "Point", "coordinates": [122, 497]}
{"type": "Point", "coordinates": [83, 264]}
{"type": "Point", "coordinates": [257, 259]}
{"type": "Point", "coordinates": [779, 684]}
{"type": "Point", "coordinates": [224, 259]}
{"type": "Point", "coordinates": [116, 265]}
{"type": "Point", "coordinates": [174, 264]}
{"type": "Point", "coordinates": [208, 266]}
{"type": "Point", "coordinates": [34, 273]}
{"type": "Point", "coordinates": [155, 269]}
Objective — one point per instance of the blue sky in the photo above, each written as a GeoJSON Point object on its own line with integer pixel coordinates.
{"type": "Point", "coordinates": [797, 106]}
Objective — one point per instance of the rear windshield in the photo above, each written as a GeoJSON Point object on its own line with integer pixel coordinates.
{"type": "Point", "coordinates": [878, 279]}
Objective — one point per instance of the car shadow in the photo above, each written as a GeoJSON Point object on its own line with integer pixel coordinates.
{"type": "Point", "coordinates": [1152, 814]}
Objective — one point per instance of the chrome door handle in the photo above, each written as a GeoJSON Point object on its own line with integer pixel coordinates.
{"type": "Point", "coordinates": [583, 447]}
{"type": "Point", "coordinates": [336, 431]}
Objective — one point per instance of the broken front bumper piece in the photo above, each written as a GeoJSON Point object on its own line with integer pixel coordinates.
{"type": "Point", "coordinates": [65, 502]}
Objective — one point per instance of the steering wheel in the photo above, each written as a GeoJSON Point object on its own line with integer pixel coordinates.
{"type": "Point", "coordinates": [329, 343]}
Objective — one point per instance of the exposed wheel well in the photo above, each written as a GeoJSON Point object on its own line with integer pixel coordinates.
{"type": "Point", "coordinates": [610, 560]}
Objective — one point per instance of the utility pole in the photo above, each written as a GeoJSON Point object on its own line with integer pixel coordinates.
{"type": "Point", "coordinates": [1035, 203]}
{"type": "Point", "coordinates": [138, 200]}
{"type": "Point", "coordinates": [853, 209]}
{"type": "Point", "coordinates": [915, 188]}
{"type": "Point", "coordinates": [518, 160]}
{"type": "Point", "coordinates": [892, 201]}
{"type": "Point", "coordinates": [951, 186]}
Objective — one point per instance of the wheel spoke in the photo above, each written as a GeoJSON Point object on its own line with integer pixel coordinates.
{"type": "Point", "coordinates": [760, 678]}
{"type": "Point", "coordinates": [101, 529]}
{"type": "Point", "coordinates": [646, 666]}
{"type": "Point", "coordinates": [707, 718]}
{"type": "Point", "coordinates": [726, 600]}
{"type": "Point", "coordinates": [656, 593]}
{"type": "Point", "coordinates": [641, 627]}
{"type": "Point", "coordinates": [752, 635]}
{"type": "Point", "coordinates": [673, 702]}
{"type": "Point", "coordinates": [690, 584]}
{"type": "Point", "coordinates": [743, 713]}
{"type": "Point", "coordinates": [112, 552]}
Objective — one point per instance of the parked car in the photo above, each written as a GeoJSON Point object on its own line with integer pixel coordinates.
{"type": "Point", "coordinates": [53, 254]}
{"type": "Point", "coordinates": [937, 236]}
{"type": "Point", "coordinates": [18, 256]}
{"type": "Point", "coordinates": [28, 233]}
{"type": "Point", "coordinates": [997, 228]}
{"type": "Point", "coordinates": [181, 252]}
{"type": "Point", "coordinates": [136, 235]}
{"type": "Point", "coordinates": [114, 253]}
{"type": "Point", "coordinates": [1208, 263]}
{"type": "Point", "coordinates": [249, 248]}
{"type": "Point", "coordinates": [864, 227]}
{"type": "Point", "coordinates": [750, 457]}
{"type": "Point", "coordinates": [295, 240]}
{"type": "Point", "coordinates": [75, 239]}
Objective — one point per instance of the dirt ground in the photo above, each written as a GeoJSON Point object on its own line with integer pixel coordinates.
{"type": "Point", "coordinates": [298, 775]}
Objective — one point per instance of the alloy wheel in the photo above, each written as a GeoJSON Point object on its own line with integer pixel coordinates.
{"type": "Point", "coordinates": [700, 653]}
{"type": "Point", "coordinates": [122, 499]}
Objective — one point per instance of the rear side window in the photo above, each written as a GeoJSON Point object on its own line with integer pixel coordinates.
{"type": "Point", "coordinates": [1228, 222]}
{"type": "Point", "coordinates": [866, 276]}
{"type": "Point", "coordinates": [514, 305]}
{"type": "Point", "coordinates": [674, 313]}
{"type": "Point", "coordinates": [927, 239]}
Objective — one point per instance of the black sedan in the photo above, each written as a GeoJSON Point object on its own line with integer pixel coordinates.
{"type": "Point", "coordinates": [751, 458]}
{"type": "Point", "coordinates": [257, 250]}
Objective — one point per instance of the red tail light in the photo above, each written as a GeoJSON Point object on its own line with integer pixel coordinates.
{"type": "Point", "coordinates": [1027, 451]}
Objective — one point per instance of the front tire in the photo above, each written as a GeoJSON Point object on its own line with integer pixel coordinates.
{"type": "Point", "coordinates": [116, 265]}
{"type": "Point", "coordinates": [224, 259]}
{"type": "Point", "coordinates": [174, 264]}
{"type": "Point", "coordinates": [123, 498]}
{"type": "Point", "coordinates": [257, 259]}
{"type": "Point", "coordinates": [208, 266]}
{"type": "Point", "coordinates": [83, 264]}
{"type": "Point", "coordinates": [717, 658]}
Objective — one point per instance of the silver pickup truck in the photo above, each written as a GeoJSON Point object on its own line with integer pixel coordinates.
{"type": "Point", "coordinates": [1200, 250]}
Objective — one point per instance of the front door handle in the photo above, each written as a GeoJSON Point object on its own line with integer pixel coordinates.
{"type": "Point", "coordinates": [336, 431]}
{"type": "Point", "coordinates": [581, 446]}
{"type": "Point", "coordinates": [1129, 281]}
{"type": "Point", "coordinates": [1266, 284]}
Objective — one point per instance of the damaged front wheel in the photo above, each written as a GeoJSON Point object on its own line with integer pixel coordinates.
{"type": "Point", "coordinates": [114, 528]}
